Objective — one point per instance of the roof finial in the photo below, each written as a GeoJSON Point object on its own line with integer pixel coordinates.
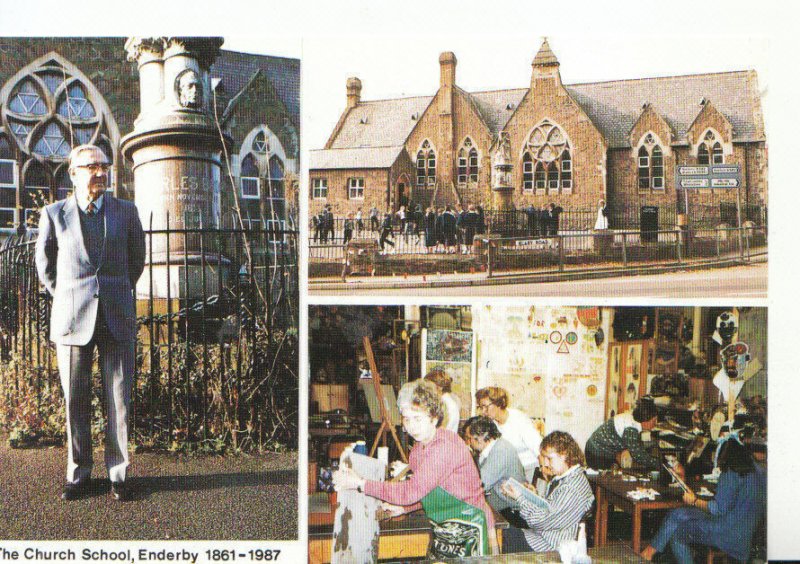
{"type": "Point", "coordinates": [545, 56]}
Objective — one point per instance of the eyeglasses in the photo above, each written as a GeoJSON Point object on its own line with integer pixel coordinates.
{"type": "Point", "coordinates": [482, 406]}
{"type": "Point", "coordinates": [95, 167]}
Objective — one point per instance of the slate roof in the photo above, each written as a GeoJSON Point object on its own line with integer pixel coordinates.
{"type": "Point", "coordinates": [496, 107]}
{"type": "Point", "coordinates": [381, 123]}
{"type": "Point", "coordinates": [236, 69]}
{"type": "Point", "coordinates": [362, 157]}
{"type": "Point", "coordinates": [614, 107]}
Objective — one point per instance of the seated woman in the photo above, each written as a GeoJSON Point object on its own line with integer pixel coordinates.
{"type": "Point", "coordinates": [444, 481]}
{"type": "Point", "coordinates": [515, 427]}
{"type": "Point", "coordinates": [620, 436]}
{"type": "Point", "coordinates": [569, 497]}
{"type": "Point", "coordinates": [727, 521]}
{"type": "Point", "coordinates": [450, 401]}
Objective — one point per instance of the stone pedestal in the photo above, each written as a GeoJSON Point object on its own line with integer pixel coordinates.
{"type": "Point", "coordinates": [502, 188]}
{"type": "Point", "coordinates": [175, 147]}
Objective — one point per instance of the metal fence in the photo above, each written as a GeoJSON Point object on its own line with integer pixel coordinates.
{"type": "Point", "coordinates": [612, 249]}
{"type": "Point", "coordinates": [217, 337]}
{"type": "Point", "coordinates": [325, 242]}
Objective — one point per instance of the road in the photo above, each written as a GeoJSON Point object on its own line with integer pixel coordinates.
{"type": "Point", "coordinates": [740, 282]}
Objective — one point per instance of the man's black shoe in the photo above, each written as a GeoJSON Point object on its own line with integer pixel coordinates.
{"type": "Point", "coordinates": [119, 491]}
{"type": "Point", "coordinates": [75, 490]}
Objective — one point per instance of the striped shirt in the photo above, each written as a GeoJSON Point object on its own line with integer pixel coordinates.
{"type": "Point", "coordinates": [570, 497]}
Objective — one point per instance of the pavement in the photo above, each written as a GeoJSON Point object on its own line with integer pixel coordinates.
{"type": "Point", "coordinates": [688, 281]}
{"type": "Point", "coordinates": [232, 497]}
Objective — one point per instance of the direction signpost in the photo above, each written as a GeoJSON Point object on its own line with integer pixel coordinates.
{"type": "Point", "coordinates": [716, 176]}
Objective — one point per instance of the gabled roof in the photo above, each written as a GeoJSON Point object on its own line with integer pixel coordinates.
{"type": "Point", "coordinates": [497, 106]}
{"type": "Point", "coordinates": [615, 106]}
{"type": "Point", "coordinates": [381, 123]}
{"type": "Point", "coordinates": [612, 106]}
{"type": "Point", "coordinates": [361, 157]}
{"type": "Point", "coordinates": [237, 69]}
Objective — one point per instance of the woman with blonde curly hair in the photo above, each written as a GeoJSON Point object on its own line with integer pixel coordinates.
{"type": "Point", "coordinates": [444, 480]}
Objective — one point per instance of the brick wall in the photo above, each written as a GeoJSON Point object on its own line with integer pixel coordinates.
{"type": "Point", "coordinates": [375, 190]}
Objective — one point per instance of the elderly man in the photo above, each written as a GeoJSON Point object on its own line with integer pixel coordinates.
{"type": "Point", "coordinates": [89, 255]}
{"type": "Point", "coordinates": [497, 459]}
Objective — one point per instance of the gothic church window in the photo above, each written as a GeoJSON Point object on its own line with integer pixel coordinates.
{"type": "Point", "coordinates": [426, 165]}
{"type": "Point", "coordinates": [650, 164]}
{"type": "Point", "coordinates": [262, 180]}
{"type": "Point", "coordinates": [467, 163]}
{"type": "Point", "coordinates": [51, 108]}
{"type": "Point", "coordinates": [9, 179]}
{"type": "Point", "coordinates": [710, 150]}
{"type": "Point", "coordinates": [547, 161]}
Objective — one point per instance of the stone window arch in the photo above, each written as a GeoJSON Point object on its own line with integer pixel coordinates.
{"type": "Point", "coordinates": [262, 170]}
{"type": "Point", "coordinates": [48, 108]}
{"type": "Point", "coordinates": [650, 163]}
{"type": "Point", "coordinates": [710, 150]}
{"type": "Point", "coordinates": [426, 164]}
{"type": "Point", "coordinates": [547, 160]}
{"type": "Point", "coordinates": [468, 163]}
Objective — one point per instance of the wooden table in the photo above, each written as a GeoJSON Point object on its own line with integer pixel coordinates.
{"type": "Point", "coordinates": [611, 489]}
{"type": "Point", "coordinates": [406, 536]}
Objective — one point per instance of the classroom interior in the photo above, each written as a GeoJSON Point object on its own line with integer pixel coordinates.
{"type": "Point", "coordinates": [568, 368]}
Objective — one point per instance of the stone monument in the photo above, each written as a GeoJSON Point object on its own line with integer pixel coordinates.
{"type": "Point", "coordinates": [502, 187]}
{"type": "Point", "coordinates": [175, 147]}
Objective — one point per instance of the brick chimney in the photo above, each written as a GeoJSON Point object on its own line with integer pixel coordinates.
{"type": "Point", "coordinates": [447, 81]}
{"type": "Point", "coordinates": [545, 68]}
{"type": "Point", "coordinates": [353, 92]}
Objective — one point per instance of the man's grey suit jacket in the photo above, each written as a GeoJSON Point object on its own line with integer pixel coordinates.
{"type": "Point", "coordinates": [501, 463]}
{"type": "Point", "coordinates": [76, 284]}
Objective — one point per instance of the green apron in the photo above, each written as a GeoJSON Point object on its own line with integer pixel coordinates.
{"type": "Point", "coordinates": [459, 529]}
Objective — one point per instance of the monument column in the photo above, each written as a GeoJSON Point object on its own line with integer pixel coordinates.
{"type": "Point", "coordinates": [502, 189]}
{"type": "Point", "coordinates": [175, 147]}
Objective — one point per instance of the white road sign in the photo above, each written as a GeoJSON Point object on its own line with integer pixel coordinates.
{"type": "Point", "coordinates": [694, 182]}
{"type": "Point", "coordinates": [724, 183]}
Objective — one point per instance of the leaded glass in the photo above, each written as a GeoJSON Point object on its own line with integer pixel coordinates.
{"type": "Point", "coordinates": [27, 101]}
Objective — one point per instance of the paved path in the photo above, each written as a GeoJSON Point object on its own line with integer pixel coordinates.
{"type": "Point", "coordinates": [741, 282]}
{"type": "Point", "coordinates": [175, 497]}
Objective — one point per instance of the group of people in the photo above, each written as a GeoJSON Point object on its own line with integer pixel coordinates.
{"type": "Point", "coordinates": [501, 451]}
{"type": "Point", "coordinates": [445, 474]}
{"type": "Point", "coordinates": [446, 230]}
{"type": "Point", "coordinates": [543, 222]}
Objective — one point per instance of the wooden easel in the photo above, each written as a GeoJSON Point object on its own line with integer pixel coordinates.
{"type": "Point", "coordinates": [386, 420]}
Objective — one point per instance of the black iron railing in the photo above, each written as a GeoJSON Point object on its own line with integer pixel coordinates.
{"type": "Point", "coordinates": [217, 338]}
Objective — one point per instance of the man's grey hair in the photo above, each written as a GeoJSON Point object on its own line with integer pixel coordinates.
{"type": "Point", "coordinates": [80, 149]}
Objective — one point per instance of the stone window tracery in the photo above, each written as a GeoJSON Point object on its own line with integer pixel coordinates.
{"type": "Point", "coordinates": [51, 108]}
{"type": "Point", "coordinates": [547, 161]}
{"type": "Point", "coordinates": [709, 151]}
{"type": "Point", "coordinates": [650, 164]}
{"type": "Point", "coordinates": [468, 163]}
{"type": "Point", "coordinates": [261, 179]}
{"type": "Point", "coordinates": [426, 165]}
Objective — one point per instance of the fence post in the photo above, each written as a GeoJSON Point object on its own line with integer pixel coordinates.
{"type": "Point", "coordinates": [488, 258]}
{"type": "Point", "coordinates": [560, 253]}
{"type": "Point", "coordinates": [716, 236]}
{"type": "Point", "coordinates": [678, 246]}
{"type": "Point", "coordinates": [624, 249]}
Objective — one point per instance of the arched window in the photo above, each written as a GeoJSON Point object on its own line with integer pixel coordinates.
{"type": "Point", "coordinates": [702, 155]}
{"type": "Point", "coordinates": [426, 165]}
{"type": "Point", "coordinates": [467, 163]}
{"type": "Point", "coordinates": [548, 149]}
{"type": "Point", "coordinates": [262, 175]}
{"type": "Point", "coordinates": [527, 172]}
{"type": "Point", "coordinates": [9, 180]}
{"type": "Point", "coordinates": [650, 164]}
{"type": "Point", "coordinates": [274, 192]}
{"type": "Point", "coordinates": [248, 178]}
{"type": "Point", "coordinates": [51, 108]}
{"type": "Point", "coordinates": [709, 151]}
{"type": "Point", "coordinates": [36, 193]}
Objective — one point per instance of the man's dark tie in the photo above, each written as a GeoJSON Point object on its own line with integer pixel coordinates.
{"type": "Point", "coordinates": [91, 209]}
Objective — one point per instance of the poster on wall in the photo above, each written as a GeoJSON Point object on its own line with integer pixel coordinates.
{"type": "Point", "coordinates": [633, 370]}
{"type": "Point", "coordinates": [612, 397]}
{"type": "Point", "coordinates": [526, 391]}
{"type": "Point", "coordinates": [452, 352]}
{"type": "Point", "coordinates": [448, 346]}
